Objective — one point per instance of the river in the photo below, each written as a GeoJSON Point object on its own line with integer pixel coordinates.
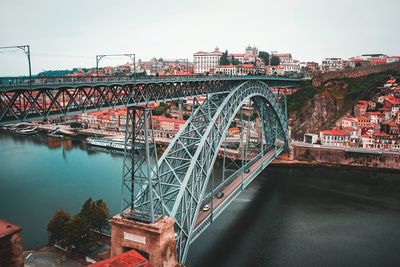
{"type": "Point", "coordinates": [286, 217]}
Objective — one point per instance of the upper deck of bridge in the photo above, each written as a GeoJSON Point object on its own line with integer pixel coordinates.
{"type": "Point", "coordinates": [23, 83]}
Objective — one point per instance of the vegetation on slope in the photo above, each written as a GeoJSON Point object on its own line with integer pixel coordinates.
{"type": "Point", "coordinates": [297, 100]}
{"type": "Point", "coordinates": [353, 89]}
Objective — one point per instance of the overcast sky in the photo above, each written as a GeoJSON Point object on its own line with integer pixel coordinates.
{"type": "Point", "coordinates": [66, 34]}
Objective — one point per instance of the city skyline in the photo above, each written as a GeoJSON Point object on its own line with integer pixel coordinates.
{"type": "Point", "coordinates": [67, 35]}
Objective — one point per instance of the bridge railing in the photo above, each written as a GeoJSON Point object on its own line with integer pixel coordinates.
{"type": "Point", "coordinates": [10, 82]}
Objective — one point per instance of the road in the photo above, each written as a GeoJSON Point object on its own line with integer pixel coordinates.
{"type": "Point", "coordinates": [232, 186]}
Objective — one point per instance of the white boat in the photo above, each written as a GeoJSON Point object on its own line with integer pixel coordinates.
{"type": "Point", "coordinates": [116, 144]}
{"type": "Point", "coordinates": [27, 131]}
{"type": "Point", "coordinates": [100, 142]}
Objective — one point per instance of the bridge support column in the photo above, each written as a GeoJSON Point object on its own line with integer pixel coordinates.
{"type": "Point", "coordinates": [155, 241]}
{"type": "Point", "coordinates": [180, 109]}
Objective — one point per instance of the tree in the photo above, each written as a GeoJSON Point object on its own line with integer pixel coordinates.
{"type": "Point", "coordinates": [275, 60]}
{"type": "Point", "coordinates": [264, 57]}
{"type": "Point", "coordinates": [95, 213]}
{"type": "Point", "coordinates": [234, 61]}
{"type": "Point", "coordinates": [78, 236]}
{"type": "Point", "coordinates": [100, 215]}
{"type": "Point", "coordinates": [224, 58]}
{"type": "Point", "coordinates": [161, 109]}
{"type": "Point", "coordinates": [56, 226]}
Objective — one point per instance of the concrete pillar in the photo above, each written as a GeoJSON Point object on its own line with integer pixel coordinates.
{"type": "Point", "coordinates": [157, 240]}
{"type": "Point", "coordinates": [180, 108]}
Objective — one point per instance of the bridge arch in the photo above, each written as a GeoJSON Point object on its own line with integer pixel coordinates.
{"type": "Point", "coordinates": [185, 167]}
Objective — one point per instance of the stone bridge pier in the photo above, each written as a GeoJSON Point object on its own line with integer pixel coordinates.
{"type": "Point", "coordinates": [155, 241]}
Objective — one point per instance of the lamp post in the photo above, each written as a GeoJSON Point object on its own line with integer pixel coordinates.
{"type": "Point", "coordinates": [26, 50]}
{"type": "Point", "coordinates": [131, 56]}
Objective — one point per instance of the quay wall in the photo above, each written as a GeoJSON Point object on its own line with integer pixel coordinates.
{"type": "Point", "coordinates": [319, 155]}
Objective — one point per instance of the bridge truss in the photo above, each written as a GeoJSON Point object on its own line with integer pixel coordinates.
{"type": "Point", "coordinates": [176, 185]}
{"type": "Point", "coordinates": [45, 98]}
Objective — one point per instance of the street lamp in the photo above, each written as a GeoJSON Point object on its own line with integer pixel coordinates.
{"type": "Point", "coordinates": [26, 50]}
{"type": "Point", "coordinates": [131, 56]}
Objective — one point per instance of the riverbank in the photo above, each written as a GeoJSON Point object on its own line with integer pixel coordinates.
{"type": "Point", "coordinates": [303, 153]}
{"type": "Point", "coordinates": [314, 164]}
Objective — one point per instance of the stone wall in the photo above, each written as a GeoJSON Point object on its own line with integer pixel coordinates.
{"type": "Point", "coordinates": [319, 78]}
{"type": "Point", "coordinates": [333, 156]}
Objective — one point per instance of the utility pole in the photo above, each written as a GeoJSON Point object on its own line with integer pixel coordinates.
{"type": "Point", "coordinates": [26, 50]}
{"type": "Point", "coordinates": [131, 56]}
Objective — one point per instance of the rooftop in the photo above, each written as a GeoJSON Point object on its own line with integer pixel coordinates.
{"type": "Point", "coordinates": [131, 258]}
{"type": "Point", "coordinates": [7, 228]}
{"type": "Point", "coordinates": [163, 118]}
{"type": "Point", "coordinates": [334, 132]}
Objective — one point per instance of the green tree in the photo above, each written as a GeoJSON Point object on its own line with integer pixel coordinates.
{"type": "Point", "coordinates": [275, 60]}
{"type": "Point", "coordinates": [78, 236]}
{"type": "Point", "coordinates": [161, 109]}
{"type": "Point", "coordinates": [95, 213]}
{"type": "Point", "coordinates": [56, 226]}
{"type": "Point", "coordinates": [100, 215]}
{"type": "Point", "coordinates": [86, 210]}
{"type": "Point", "coordinates": [234, 61]}
{"type": "Point", "coordinates": [224, 58]}
{"type": "Point", "coordinates": [264, 57]}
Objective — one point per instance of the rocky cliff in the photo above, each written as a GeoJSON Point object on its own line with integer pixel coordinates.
{"type": "Point", "coordinates": [313, 109]}
{"type": "Point", "coordinates": [317, 111]}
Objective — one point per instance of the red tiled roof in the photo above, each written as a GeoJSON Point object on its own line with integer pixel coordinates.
{"type": "Point", "coordinates": [7, 228]}
{"type": "Point", "coordinates": [359, 60]}
{"type": "Point", "coordinates": [374, 113]}
{"type": "Point", "coordinates": [393, 101]}
{"type": "Point", "coordinates": [127, 259]}
{"type": "Point", "coordinates": [334, 132]}
{"type": "Point", "coordinates": [362, 118]}
{"type": "Point", "coordinates": [349, 128]}
{"type": "Point", "coordinates": [247, 65]}
{"type": "Point", "coordinates": [225, 66]}
{"type": "Point", "coordinates": [163, 118]}
{"type": "Point", "coordinates": [379, 61]}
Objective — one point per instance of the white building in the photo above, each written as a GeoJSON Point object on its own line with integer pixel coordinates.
{"type": "Point", "coordinates": [291, 67]}
{"type": "Point", "coordinates": [226, 69]}
{"type": "Point", "coordinates": [205, 61]}
{"type": "Point", "coordinates": [335, 137]}
{"type": "Point", "coordinates": [330, 64]}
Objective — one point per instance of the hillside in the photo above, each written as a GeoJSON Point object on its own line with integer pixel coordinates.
{"type": "Point", "coordinates": [313, 108]}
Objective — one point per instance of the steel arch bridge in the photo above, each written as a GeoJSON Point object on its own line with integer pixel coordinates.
{"type": "Point", "coordinates": [176, 185]}
{"type": "Point", "coordinates": [49, 97]}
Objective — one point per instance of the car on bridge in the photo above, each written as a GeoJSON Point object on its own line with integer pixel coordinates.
{"type": "Point", "coordinates": [206, 207]}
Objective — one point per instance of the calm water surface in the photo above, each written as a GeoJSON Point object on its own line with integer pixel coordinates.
{"type": "Point", "coordinates": [286, 217]}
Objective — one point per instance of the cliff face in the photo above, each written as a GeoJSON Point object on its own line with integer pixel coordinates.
{"type": "Point", "coordinates": [318, 112]}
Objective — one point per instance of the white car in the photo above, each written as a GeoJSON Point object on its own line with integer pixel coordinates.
{"type": "Point", "coordinates": [206, 207]}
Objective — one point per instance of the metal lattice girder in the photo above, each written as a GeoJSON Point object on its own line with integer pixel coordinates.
{"type": "Point", "coordinates": [62, 96]}
{"type": "Point", "coordinates": [186, 165]}
{"type": "Point", "coordinates": [141, 186]}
